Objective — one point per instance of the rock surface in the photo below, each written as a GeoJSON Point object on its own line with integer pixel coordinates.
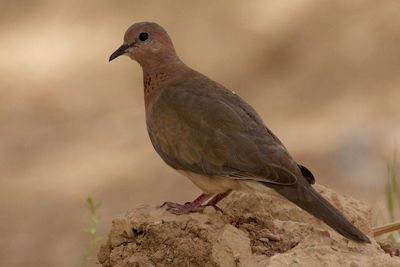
{"type": "Point", "coordinates": [255, 230]}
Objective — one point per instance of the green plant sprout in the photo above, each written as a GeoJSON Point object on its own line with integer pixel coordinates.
{"type": "Point", "coordinates": [392, 193]}
{"type": "Point", "coordinates": [91, 230]}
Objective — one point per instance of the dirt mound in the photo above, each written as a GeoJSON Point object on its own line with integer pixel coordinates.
{"type": "Point", "coordinates": [253, 231]}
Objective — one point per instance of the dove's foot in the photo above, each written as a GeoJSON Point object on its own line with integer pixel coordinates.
{"type": "Point", "coordinates": [196, 205]}
{"type": "Point", "coordinates": [193, 206]}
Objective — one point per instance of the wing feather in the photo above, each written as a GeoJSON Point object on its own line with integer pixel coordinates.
{"type": "Point", "coordinates": [211, 131]}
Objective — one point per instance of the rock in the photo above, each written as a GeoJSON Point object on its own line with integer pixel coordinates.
{"type": "Point", "coordinates": [393, 249]}
{"type": "Point", "coordinates": [254, 230]}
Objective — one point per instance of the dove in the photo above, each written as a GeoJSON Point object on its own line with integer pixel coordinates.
{"type": "Point", "coordinates": [213, 137]}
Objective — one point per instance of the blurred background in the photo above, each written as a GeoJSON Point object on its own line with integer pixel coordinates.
{"type": "Point", "coordinates": [324, 76]}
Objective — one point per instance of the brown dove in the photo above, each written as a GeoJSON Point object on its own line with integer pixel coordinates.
{"type": "Point", "coordinates": [213, 137]}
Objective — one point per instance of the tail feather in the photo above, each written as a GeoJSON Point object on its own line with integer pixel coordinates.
{"type": "Point", "coordinates": [304, 196]}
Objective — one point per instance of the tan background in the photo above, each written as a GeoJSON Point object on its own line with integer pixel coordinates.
{"type": "Point", "coordinates": [324, 75]}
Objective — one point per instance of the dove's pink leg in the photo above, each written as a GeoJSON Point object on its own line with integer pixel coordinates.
{"type": "Point", "coordinates": [217, 198]}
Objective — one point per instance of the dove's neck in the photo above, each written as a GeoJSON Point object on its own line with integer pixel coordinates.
{"type": "Point", "coordinates": [157, 77]}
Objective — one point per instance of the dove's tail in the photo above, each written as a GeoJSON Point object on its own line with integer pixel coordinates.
{"type": "Point", "coordinates": [304, 196]}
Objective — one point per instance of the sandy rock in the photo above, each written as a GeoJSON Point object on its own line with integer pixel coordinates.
{"type": "Point", "coordinates": [261, 230]}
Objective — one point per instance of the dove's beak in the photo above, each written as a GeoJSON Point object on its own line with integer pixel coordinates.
{"type": "Point", "coordinates": [120, 51]}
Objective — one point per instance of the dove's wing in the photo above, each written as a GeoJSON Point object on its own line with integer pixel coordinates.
{"type": "Point", "coordinates": [206, 129]}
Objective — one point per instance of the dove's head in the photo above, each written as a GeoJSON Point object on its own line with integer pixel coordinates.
{"type": "Point", "coordinates": [147, 43]}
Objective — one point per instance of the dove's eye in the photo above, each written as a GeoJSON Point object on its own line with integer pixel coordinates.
{"type": "Point", "coordinates": [143, 36]}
